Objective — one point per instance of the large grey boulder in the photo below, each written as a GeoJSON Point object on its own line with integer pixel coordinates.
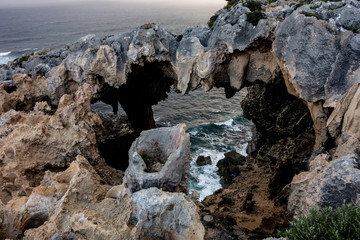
{"type": "Point", "coordinates": [163, 215]}
{"type": "Point", "coordinates": [326, 184]}
{"type": "Point", "coordinates": [318, 62]}
{"type": "Point", "coordinates": [159, 158]}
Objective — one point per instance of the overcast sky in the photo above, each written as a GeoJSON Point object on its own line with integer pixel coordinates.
{"type": "Point", "coordinates": [17, 3]}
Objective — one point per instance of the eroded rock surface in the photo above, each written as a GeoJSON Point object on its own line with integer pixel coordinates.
{"type": "Point", "coordinates": [300, 61]}
{"type": "Point", "coordinates": [159, 158]}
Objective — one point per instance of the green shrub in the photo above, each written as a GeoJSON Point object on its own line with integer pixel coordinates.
{"type": "Point", "coordinates": [212, 20]}
{"type": "Point", "coordinates": [231, 3]}
{"type": "Point", "coordinates": [23, 59]}
{"type": "Point", "coordinates": [328, 224]}
{"type": "Point", "coordinates": [253, 5]}
{"type": "Point", "coordinates": [254, 17]}
{"type": "Point", "coordinates": [271, 1]}
{"type": "Point", "coordinates": [179, 37]}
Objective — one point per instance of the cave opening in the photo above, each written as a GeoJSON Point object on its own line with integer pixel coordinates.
{"type": "Point", "coordinates": [127, 110]}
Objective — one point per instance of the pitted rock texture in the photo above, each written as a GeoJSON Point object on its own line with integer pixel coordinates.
{"type": "Point", "coordinates": [32, 143]}
{"type": "Point", "coordinates": [317, 60]}
{"type": "Point", "coordinates": [327, 184]}
{"type": "Point", "coordinates": [45, 121]}
{"type": "Point", "coordinates": [162, 215]}
{"type": "Point", "coordinates": [159, 158]}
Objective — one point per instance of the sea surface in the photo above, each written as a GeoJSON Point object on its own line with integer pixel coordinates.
{"type": "Point", "coordinates": [24, 30]}
{"type": "Point", "coordinates": [215, 124]}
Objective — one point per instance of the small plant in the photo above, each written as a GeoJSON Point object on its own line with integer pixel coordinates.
{"type": "Point", "coordinates": [23, 59]}
{"type": "Point", "coordinates": [254, 17]}
{"type": "Point", "coordinates": [298, 5]}
{"type": "Point", "coordinates": [354, 29]}
{"type": "Point", "coordinates": [253, 5]}
{"type": "Point", "coordinates": [231, 3]}
{"type": "Point", "coordinates": [212, 20]}
{"type": "Point", "coordinates": [308, 14]}
{"type": "Point", "coordinates": [148, 161]}
{"type": "Point", "coordinates": [272, 1]}
{"type": "Point", "coordinates": [179, 37]}
{"type": "Point", "coordinates": [331, 224]}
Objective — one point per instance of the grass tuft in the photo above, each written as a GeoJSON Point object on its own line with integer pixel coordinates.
{"type": "Point", "coordinates": [353, 29]}
{"type": "Point", "coordinates": [308, 14]}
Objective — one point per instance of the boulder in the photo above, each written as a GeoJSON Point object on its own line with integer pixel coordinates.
{"type": "Point", "coordinates": [159, 158]}
{"type": "Point", "coordinates": [327, 184]}
{"type": "Point", "coordinates": [230, 167]}
{"type": "Point", "coordinates": [312, 57]}
{"type": "Point", "coordinates": [202, 160]}
{"type": "Point", "coordinates": [163, 215]}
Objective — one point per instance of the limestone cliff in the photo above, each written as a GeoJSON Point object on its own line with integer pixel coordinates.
{"type": "Point", "coordinates": [300, 63]}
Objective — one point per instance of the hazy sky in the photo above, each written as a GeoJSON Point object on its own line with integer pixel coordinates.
{"type": "Point", "coordinates": [17, 3]}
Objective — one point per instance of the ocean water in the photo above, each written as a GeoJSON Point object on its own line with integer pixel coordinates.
{"type": "Point", "coordinates": [215, 124]}
{"type": "Point", "coordinates": [24, 30]}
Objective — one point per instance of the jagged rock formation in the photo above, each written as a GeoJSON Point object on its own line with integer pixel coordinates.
{"type": "Point", "coordinates": [74, 204]}
{"type": "Point", "coordinates": [300, 62]}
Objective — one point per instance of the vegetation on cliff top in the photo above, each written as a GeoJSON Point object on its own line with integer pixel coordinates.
{"type": "Point", "coordinates": [212, 20]}
{"type": "Point", "coordinates": [328, 223]}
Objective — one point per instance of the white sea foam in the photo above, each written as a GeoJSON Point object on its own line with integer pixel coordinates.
{"type": "Point", "coordinates": [207, 181]}
{"type": "Point", "coordinates": [5, 58]}
{"type": "Point", "coordinates": [230, 124]}
{"type": "Point", "coordinates": [2, 54]}
{"type": "Point", "coordinates": [226, 123]}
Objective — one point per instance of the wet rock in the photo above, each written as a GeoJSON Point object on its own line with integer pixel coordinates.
{"type": "Point", "coordinates": [167, 146]}
{"type": "Point", "coordinates": [202, 160]}
{"type": "Point", "coordinates": [230, 167]}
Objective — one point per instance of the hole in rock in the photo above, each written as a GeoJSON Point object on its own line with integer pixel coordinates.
{"type": "Point", "coordinates": [146, 86]}
{"type": "Point", "coordinates": [216, 126]}
{"type": "Point", "coordinates": [154, 157]}
{"type": "Point", "coordinates": [117, 135]}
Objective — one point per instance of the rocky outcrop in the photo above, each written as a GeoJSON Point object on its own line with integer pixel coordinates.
{"type": "Point", "coordinates": [66, 205]}
{"type": "Point", "coordinates": [202, 160]}
{"type": "Point", "coordinates": [164, 215]}
{"type": "Point", "coordinates": [327, 184]}
{"type": "Point", "coordinates": [230, 167]}
{"type": "Point", "coordinates": [300, 63]}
